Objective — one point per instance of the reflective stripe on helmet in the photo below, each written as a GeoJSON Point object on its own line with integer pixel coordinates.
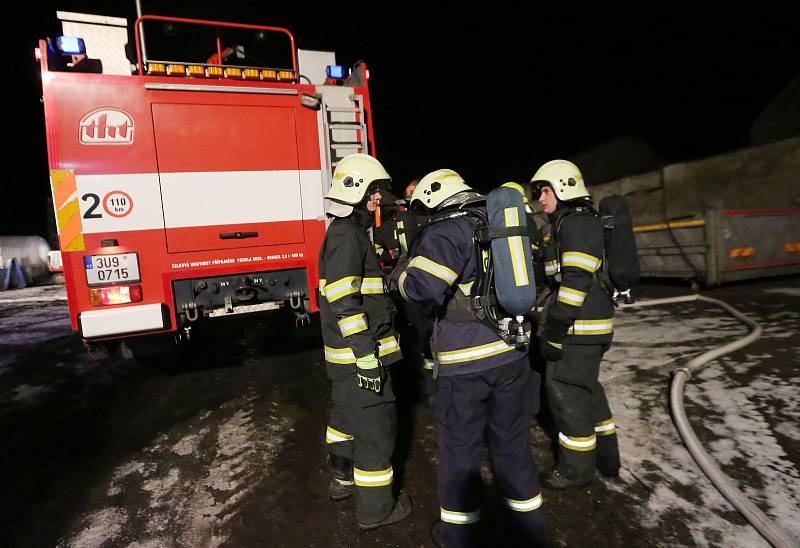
{"type": "Point", "coordinates": [525, 505]}
{"type": "Point", "coordinates": [587, 443]}
{"type": "Point", "coordinates": [353, 324]}
{"type": "Point", "coordinates": [374, 478]}
{"type": "Point", "coordinates": [571, 296]}
{"type": "Point", "coordinates": [459, 518]}
{"type": "Point", "coordinates": [433, 268]}
{"type": "Point", "coordinates": [580, 260]}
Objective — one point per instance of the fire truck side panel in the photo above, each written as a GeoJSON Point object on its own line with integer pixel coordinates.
{"type": "Point", "coordinates": [229, 163]}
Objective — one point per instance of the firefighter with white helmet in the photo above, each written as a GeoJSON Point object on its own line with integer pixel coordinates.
{"type": "Point", "coordinates": [576, 329]}
{"type": "Point", "coordinates": [485, 388]}
{"type": "Point", "coordinates": [360, 343]}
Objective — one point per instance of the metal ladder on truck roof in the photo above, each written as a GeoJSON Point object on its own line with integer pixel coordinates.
{"type": "Point", "coordinates": [346, 129]}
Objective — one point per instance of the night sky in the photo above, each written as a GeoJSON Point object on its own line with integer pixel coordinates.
{"type": "Point", "coordinates": [491, 92]}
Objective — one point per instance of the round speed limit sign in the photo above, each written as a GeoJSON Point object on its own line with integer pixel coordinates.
{"type": "Point", "coordinates": [117, 203]}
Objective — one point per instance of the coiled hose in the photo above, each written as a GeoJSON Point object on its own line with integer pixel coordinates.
{"type": "Point", "coordinates": [772, 532]}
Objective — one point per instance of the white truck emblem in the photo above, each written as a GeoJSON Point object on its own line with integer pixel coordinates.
{"type": "Point", "coordinates": [107, 126]}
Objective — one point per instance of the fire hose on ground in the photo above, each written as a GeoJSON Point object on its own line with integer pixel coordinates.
{"type": "Point", "coordinates": [772, 532]}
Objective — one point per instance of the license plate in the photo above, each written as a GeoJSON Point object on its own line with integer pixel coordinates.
{"type": "Point", "coordinates": [104, 269]}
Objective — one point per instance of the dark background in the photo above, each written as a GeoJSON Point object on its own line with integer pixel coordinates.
{"type": "Point", "coordinates": [491, 92]}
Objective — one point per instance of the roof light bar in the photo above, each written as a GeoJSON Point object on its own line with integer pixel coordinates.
{"type": "Point", "coordinates": [335, 71]}
{"type": "Point", "coordinates": [70, 45]}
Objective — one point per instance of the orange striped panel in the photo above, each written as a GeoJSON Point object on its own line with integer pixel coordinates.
{"type": "Point", "coordinates": [741, 252]}
{"type": "Point", "coordinates": [793, 247]}
{"type": "Point", "coordinates": [68, 212]}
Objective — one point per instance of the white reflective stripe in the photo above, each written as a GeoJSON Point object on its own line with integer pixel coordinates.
{"type": "Point", "coordinates": [466, 288]}
{"type": "Point", "coordinates": [515, 247]}
{"type": "Point", "coordinates": [353, 324]}
{"type": "Point", "coordinates": [550, 268]}
{"type": "Point", "coordinates": [525, 505]}
{"type": "Point", "coordinates": [339, 355]}
{"type": "Point", "coordinates": [571, 296]}
{"type": "Point", "coordinates": [589, 442]}
{"type": "Point", "coordinates": [605, 427]}
{"type": "Point", "coordinates": [580, 260]}
{"type": "Point", "coordinates": [371, 286]}
{"type": "Point", "coordinates": [475, 352]}
{"type": "Point", "coordinates": [338, 289]}
{"type": "Point", "coordinates": [365, 478]}
{"type": "Point", "coordinates": [400, 285]}
{"type": "Point", "coordinates": [433, 268]}
{"type": "Point", "coordinates": [322, 286]}
{"type": "Point", "coordinates": [388, 346]}
{"type": "Point", "coordinates": [460, 518]}
{"type": "Point", "coordinates": [591, 327]}
{"type": "Point", "coordinates": [428, 364]}
{"type": "Point", "coordinates": [334, 436]}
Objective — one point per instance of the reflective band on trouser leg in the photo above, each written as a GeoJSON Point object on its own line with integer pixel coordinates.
{"type": "Point", "coordinates": [605, 428]}
{"type": "Point", "coordinates": [571, 296]}
{"type": "Point", "coordinates": [372, 286]}
{"type": "Point", "coordinates": [587, 443]}
{"type": "Point", "coordinates": [592, 327]}
{"type": "Point", "coordinates": [516, 249]}
{"type": "Point", "coordinates": [334, 436]}
{"type": "Point", "coordinates": [353, 324]}
{"type": "Point", "coordinates": [433, 268]}
{"type": "Point", "coordinates": [525, 505]}
{"type": "Point", "coordinates": [460, 518]}
{"type": "Point", "coordinates": [377, 478]}
{"type": "Point", "coordinates": [580, 260]}
{"type": "Point", "coordinates": [339, 288]}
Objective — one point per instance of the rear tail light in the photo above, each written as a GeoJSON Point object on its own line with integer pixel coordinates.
{"type": "Point", "coordinates": [115, 294]}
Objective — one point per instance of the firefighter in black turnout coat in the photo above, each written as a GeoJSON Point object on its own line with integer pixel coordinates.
{"type": "Point", "coordinates": [577, 328]}
{"type": "Point", "coordinates": [484, 387]}
{"type": "Point", "coordinates": [360, 343]}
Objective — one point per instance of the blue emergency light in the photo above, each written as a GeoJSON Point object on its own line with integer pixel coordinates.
{"type": "Point", "coordinates": [69, 45]}
{"type": "Point", "coordinates": [334, 71]}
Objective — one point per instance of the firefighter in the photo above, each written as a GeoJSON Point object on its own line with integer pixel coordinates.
{"type": "Point", "coordinates": [484, 387]}
{"type": "Point", "coordinates": [576, 329]}
{"type": "Point", "coordinates": [360, 344]}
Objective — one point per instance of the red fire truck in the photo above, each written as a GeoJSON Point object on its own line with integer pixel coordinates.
{"type": "Point", "coordinates": [185, 190]}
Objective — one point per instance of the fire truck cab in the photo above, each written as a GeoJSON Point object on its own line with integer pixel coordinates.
{"type": "Point", "coordinates": [188, 190]}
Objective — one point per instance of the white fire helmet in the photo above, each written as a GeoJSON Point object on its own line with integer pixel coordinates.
{"type": "Point", "coordinates": [564, 177]}
{"type": "Point", "coordinates": [353, 176]}
{"type": "Point", "coordinates": [436, 187]}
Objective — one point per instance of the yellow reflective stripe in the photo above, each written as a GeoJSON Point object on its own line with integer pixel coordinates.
{"type": "Point", "coordinates": [557, 345]}
{"type": "Point", "coordinates": [466, 288]}
{"type": "Point", "coordinates": [592, 327]}
{"type": "Point", "coordinates": [338, 289]}
{"type": "Point", "coordinates": [388, 345]}
{"type": "Point", "coordinates": [525, 505]}
{"type": "Point", "coordinates": [550, 268]}
{"type": "Point", "coordinates": [401, 285]}
{"type": "Point", "coordinates": [459, 518]}
{"type": "Point", "coordinates": [433, 268]}
{"type": "Point", "coordinates": [571, 296]}
{"type": "Point", "coordinates": [372, 286]}
{"type": "Point", "coordinates": [339, 355]}
{"type": "Point", "coordinates": [605, 428]}
{"type": "Point", "coordinates": [587, 443]}
{"type": "Point", "coordinates": [322, 286]}
{"type": "Point", "coordinates": [475, 352]}
{"type": "Point", "coordinates": [377, 478]}
{"type": "Point", "coordinates": [353, 324]}
{"type": "Point", "coordinates": [515, 247]}
{"type": "Point", "coordinates": [428, 364]}
{"type": "Point", "coordinates": [334, 436]}
{"type": "Point", "coordinates": [577, 259]}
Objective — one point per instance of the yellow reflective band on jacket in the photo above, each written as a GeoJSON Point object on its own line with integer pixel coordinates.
{"type": "Point", "coordinates": [570, 296]}
{"type": "Point", "coordinates": [459, 518]}
{"type": "Point", "coordinates": [377, 478]}
{"type": "Point", "coordinates": [550, 268]}
{"type": "Point", "coordinates": [338, 289]}
{"type": "Point", "coordinates": [577, 259]}
{"type": "Point", "coordinates": [402, 238]}
{"type": "Point", "coordinates": [322, 286]}
{"type": "Point", "coordinates": [605, 428]}
{"type": "Point", "coordinates": [577, 444]}
{"type": "Point", "coordinates": [592, 327]}
{"type": "Point", "coordinates": [353, 324]}
{"type": "Point", "coordinates": [433, 268]}
{"type": "Point", "coordinates": [525, 505]}
{"type": "Point", "coordinates": [334, 436]}
{"type": "Point", "coordinates": [557, 345]}
{"type": "Point", "coordinates": [400, 285]}
{"type": "Point", "coordinates": [466, 288]}
{"type": "Point", "coordinates": [387, 346]}
{"type": "Point", "coordinates": [428, 364]}
{"type": "Point", "coordinates": [473, 353]}
{"type": "Point", "coordinates": [372, 286]}
{"type": "Point", "coordinates": [515, 246]}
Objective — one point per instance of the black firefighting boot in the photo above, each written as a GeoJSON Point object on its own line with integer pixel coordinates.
{"type": "Point", "coordinates": [342, 485]}
{"type": "Point", "coordinates": [400, 511]}
{"type": "Point", "coordinates": [608, 456]}
{"type": "Point", "coordinates": [552, 479]}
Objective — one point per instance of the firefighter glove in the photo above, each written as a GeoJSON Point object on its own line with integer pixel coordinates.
{"type": "Point", "coordinates": [368, 371]}
{"type": "Point", "coordinates": [554, 331]}
{"type": "Point", "coordinates": [551, 352]}
{"type": "Point", "coordinates": [393, 280]}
